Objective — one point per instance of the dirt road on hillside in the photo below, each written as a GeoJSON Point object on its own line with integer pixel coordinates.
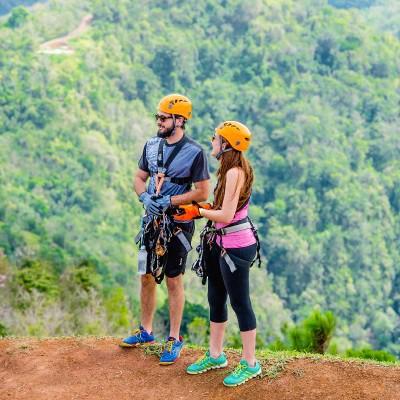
{"type": "Point", "coordinates": [61, 44]}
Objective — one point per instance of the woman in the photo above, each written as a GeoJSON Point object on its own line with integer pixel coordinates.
{"type": "Point", "coordinates": [231, 254]}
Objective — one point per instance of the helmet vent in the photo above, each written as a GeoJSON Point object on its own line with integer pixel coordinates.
{"type": "Point", "coordinates": [232, 125]}
{"type": "Point", "coordinates": [175, 101]}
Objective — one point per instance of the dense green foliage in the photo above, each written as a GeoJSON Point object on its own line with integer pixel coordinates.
{"type": "Point", "coordinates": [319, 88]}
{"type": "Point", "coordinates": [35, 301]}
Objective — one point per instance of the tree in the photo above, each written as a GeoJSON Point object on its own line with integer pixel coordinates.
{"type": "Point", "coordinates": [18, 17]}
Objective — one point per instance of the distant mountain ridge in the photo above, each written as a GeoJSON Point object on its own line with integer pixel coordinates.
{"type": "Point", "coordinates": [352, 3]}
{"type": "Point", "coordinates": [7, 5]}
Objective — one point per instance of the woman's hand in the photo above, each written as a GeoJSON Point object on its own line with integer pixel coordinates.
{"type": "Point", "coordinates": [188, 212]}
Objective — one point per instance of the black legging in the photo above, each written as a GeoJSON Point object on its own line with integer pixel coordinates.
{"type": "Point", "coordinates": [222, 282]}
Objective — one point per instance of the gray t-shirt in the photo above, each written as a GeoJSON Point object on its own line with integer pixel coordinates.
{"type": "Point", "coordinates": [190, 161]}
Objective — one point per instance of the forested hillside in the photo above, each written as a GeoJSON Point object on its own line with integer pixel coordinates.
{"type": "Point", "coordinates": [318, 87]}
{"type": "Point", "coordinates": [385, 16]}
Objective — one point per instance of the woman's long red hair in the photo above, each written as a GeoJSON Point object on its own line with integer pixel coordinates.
{"type": "Point", "coordinates": [231, 159]}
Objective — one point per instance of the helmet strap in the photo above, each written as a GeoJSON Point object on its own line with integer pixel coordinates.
{"type": "Point", "coordinates": [218, 156]}
{"type": "Point", "coordinates": [174, 122]}
{"type": "Point", "coordinates": [223, 150]}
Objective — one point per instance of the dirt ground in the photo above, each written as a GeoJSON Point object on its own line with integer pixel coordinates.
{"type": "Point", "coordinates": [93, 368]}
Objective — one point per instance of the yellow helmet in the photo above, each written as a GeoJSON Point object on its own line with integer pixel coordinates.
{"type": "Point", "coordinates": [176, 104]}
{"type": "Point", "coordinates": [237, 134]}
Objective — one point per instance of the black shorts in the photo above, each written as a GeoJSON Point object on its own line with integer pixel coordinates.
{"type": "Point", "coordinates": [177, 254]}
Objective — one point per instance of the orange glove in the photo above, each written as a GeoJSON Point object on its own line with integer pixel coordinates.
{"type": "Point", "coordinates": [188, 212]}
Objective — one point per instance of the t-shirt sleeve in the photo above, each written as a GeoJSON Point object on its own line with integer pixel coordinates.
{"type": "Point", "coordinates": [199, 169]}
{"type": "Point", "coordinates": [143, 163]}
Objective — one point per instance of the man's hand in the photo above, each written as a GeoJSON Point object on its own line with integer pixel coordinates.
{"type": "Point", "coordinates": [151, 206]}
{"type": "Point", "coordinates": [188, 212]}
{"type": "Point", "coordinates": [164, 202]}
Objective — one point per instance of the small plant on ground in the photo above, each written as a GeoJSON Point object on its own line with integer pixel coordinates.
{"type": "Point", "coordinates": [312, 335]}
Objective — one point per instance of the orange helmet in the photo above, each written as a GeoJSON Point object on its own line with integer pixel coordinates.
{"type": "Point", "coordinates": [176, 104]}
{"type": "Point", "coordinates": [237, 134]}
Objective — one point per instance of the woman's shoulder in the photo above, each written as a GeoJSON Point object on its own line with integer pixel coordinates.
{"type": "Point", "coordinates": [235, 173]}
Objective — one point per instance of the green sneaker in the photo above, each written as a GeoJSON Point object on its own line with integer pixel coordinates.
{"type": "Point", "coordinates": [242, 373]}
{"type": "Point", "coordinates": [206, 363]}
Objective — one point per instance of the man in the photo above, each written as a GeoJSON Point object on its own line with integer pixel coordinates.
{"type": "Point", "coordinates": [173, 162]}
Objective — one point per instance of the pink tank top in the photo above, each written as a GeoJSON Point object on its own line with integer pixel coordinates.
{"type": "Point", "coordinates": [239, 239]}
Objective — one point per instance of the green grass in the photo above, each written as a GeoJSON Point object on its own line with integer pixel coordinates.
{"type": "Point", "coordinates": [274, 362]}
{"type": "Point", "coordinates": [155, 349]}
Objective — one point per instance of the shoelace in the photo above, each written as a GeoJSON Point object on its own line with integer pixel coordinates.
{"type": "Point", "coordinates": [169, 344]}
{"type": "Point", "coordinates": [202, 360]}
{"type": "Point", "coordinates": [239, 369]}
{"type": "Point", "coordinates": [138, 333]}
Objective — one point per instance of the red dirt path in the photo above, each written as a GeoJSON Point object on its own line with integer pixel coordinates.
{"type": "Point", "coordinates": [92, 368]}
{"type": "Point", "coordinates": [63, 42]}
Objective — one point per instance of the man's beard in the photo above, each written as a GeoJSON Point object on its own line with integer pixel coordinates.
{"type": "Point", "coordinates": [166, 133]}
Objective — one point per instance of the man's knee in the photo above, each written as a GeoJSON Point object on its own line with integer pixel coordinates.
{"type": "Point", "coordinates": [148, 281]}
{"type": "Point", "coordinates": [175, 284]}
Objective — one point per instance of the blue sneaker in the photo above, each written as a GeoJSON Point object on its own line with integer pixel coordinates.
{"type": "Point", "coordinates": [172, 350]}
{"type": "Point", "coordinates": [140, 337]}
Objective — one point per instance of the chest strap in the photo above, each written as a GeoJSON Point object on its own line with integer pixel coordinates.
{"type": "Point", "coordinates": [172, 179]}
{"type": "Point", "coordinates": [162, 167]}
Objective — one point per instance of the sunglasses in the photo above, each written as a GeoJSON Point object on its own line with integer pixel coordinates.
{"type": "Point", "coordinates": [162, 118]}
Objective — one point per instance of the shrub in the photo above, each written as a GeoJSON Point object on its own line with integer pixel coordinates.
{"type": "Point", "coordinates": [3, 330]}
{"type": "Point", "coordinates": [320, 328]}
{"type": "Point", "coordinates": [370, 354]}
{"type": "Point", "coordinates": [312, 335]}
{"type": "Point", "coordinates": [34, 276]}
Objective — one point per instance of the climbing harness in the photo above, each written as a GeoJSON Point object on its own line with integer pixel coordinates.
{"type": "Point", "coordinates": [207, 240]}
{"type": "Point", "coordinates": [155, 235]}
